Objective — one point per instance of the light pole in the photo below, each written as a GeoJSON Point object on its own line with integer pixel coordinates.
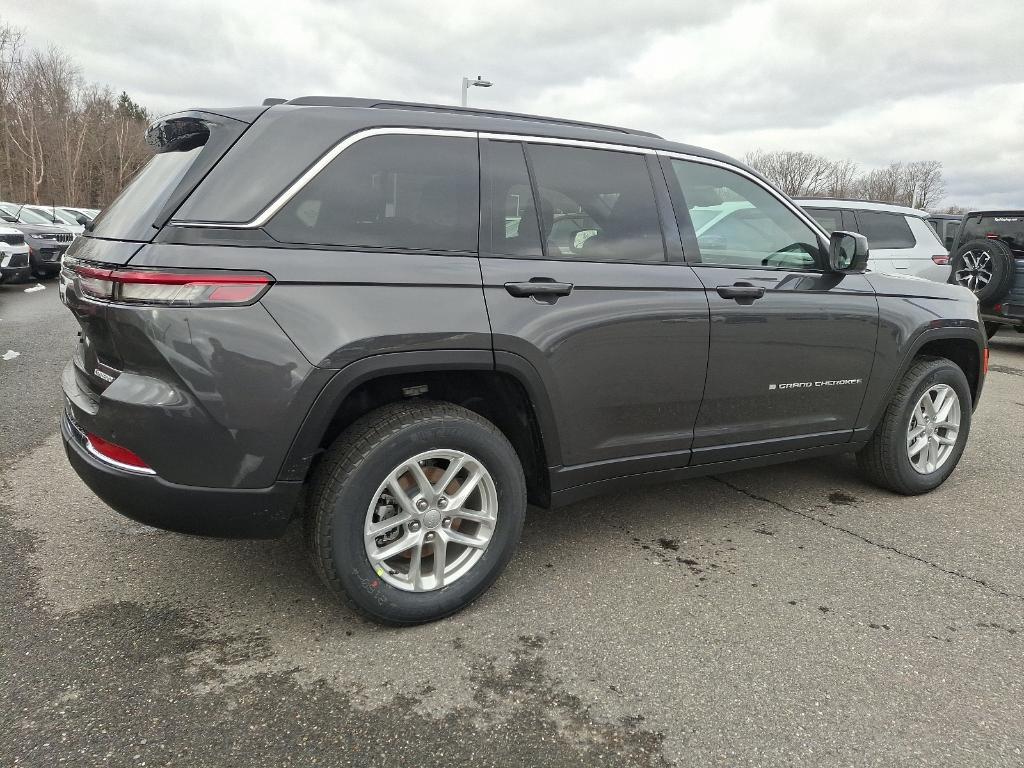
{"type": "Point", "coordinates": [479, 83]}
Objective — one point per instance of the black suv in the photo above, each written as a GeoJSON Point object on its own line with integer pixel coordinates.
{"type": "Point", "coordinates": [988, 258]}
{"type": "Point", "coordinates": [403, 322]}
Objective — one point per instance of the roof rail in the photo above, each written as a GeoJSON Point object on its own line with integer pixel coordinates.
{"type": "Point", "coordinates": [345, 101]}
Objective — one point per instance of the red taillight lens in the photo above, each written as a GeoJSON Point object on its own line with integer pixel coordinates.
{"type": "Point", "coordinates": [169, 288]}
{"type": "Point", "coordinates": [116, 453]}
{"type": "Point", "coordinates": [942, 259]}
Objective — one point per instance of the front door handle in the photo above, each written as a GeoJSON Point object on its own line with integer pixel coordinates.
{"type": "Point", "coordinates": [744, 293]}
{"type": "Point", "coordinates": [540, 288]}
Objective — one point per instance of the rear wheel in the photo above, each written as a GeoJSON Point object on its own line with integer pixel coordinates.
{"type": "Point", "coordinates": [923, 431]}
{"type": "Point", "coordinates": [415, 511]}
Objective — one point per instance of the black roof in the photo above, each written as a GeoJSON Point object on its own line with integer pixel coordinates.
{"type": "Point", "coordinates": [345, 101]}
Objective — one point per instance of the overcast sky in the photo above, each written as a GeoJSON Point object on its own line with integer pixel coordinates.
{"type": "Point", "coordinates": [870, 81]}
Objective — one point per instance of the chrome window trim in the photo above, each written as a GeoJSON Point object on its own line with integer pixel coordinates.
{"type": "Point", "coordinates": [296, 186]}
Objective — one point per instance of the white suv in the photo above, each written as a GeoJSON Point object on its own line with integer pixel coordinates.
{"type": "Point", "coordinates": [901, 240]}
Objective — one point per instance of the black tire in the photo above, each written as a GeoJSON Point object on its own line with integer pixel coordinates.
{"type": "Point", "coordinates": [991, 329]}
{"type": "Point", "coordinates": [350, 474]}
{"type": "Point", "coordinates": [985, 257]}
{"type": "Point", "coordinates": [884, 460]}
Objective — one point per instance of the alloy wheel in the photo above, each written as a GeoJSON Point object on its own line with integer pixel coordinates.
{"type": "Point", "coordinates": [975, 271]}
{"type": "Point", "coordinates": [431, 520]}
{"type": "Point", "coordinates": [933, 428]}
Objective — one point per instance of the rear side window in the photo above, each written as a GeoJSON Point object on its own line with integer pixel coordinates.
{"type": "Point", "coordinates": [830, 219]}
{"type": "Point", "coordinates": [1008, 228]}
{"type": "Point", "coordinates": [596, 205]}
{"type": "Point", "coordinates": [513, 214]}
{"type": "Point", "coordinates": [390, 192]}
{"type": "Point", "coordinates": [885, 230]}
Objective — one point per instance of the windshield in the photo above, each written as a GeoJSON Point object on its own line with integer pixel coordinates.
{"type": "Point", "coordinates": [131, 215]}
{"type": "Point", "coordinates": [28, 216]}
{"type": "Point", "coordinates": [64, 216]}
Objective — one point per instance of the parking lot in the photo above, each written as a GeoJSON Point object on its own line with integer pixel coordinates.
{"type": "Point", "coordinates": [789, 615]}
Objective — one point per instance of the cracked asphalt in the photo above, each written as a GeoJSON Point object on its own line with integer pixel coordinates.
{"type": "Point", "coordinates": [791, 615]}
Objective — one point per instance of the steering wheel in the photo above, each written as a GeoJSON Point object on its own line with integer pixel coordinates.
{"type": "Point", "coordinates": [783, 253]}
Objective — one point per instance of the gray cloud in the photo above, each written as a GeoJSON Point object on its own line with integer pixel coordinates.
{"type": "Point", "coordinates": [870, 81]}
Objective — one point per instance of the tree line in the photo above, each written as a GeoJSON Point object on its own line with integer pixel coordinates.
{"type": "Point", "coordinates": [916, 184]}
{"type": "Point", "coordinates": [62, 140]}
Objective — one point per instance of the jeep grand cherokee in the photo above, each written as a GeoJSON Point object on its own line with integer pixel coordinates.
{"type": "Point", "coordinates": [368, 314]}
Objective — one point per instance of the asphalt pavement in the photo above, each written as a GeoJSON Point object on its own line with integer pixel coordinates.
{"type": "Point", "coordinates": [786, 616]}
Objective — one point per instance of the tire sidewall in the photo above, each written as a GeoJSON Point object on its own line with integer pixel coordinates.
{"type": "Point", "coordinates": [349, 507]}
{"type": "Point", "coordinates": [951, 375]}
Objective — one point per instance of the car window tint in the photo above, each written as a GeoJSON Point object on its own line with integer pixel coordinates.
{"type": "Point", "coordinates": [513, 226]}
{"type": "Point", "coordinates": [885, 230]}
{"type": "Point", "coordinates": [401, 192]}
{"type": "Point", "coordinates": [1007, 227]}
{"type": "Point", "coordinates": [740, 223]}
{"type": "Point", "coordinates": [596, 205]}
{"type": "Point", "coordinates": [830, 219]}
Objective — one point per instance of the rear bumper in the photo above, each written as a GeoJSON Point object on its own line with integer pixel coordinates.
{"type": "Point", "coordinates": [256, 513]}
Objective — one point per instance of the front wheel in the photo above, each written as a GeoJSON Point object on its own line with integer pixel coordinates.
{"type": "Point", "coordinates": [415, 511]}
{"type": "Point", "coordinates": [923, 431]}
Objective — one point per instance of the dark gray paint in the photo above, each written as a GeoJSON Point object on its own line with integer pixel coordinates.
{"type": "Point", "coordinates": [339, 306]}
{"type": "Point", "coordinates": [808, 327]}
{"type": "Point", "coordinates": [622, 356]}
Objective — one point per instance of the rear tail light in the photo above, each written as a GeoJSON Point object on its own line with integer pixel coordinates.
{"type": "Point", "coordinates": [180, 288]}
{"type": "Point", "coordinates": [984, 361]}
{"type": "Point", "coordinates": [115, 454]}
{"type": "Point", "coordinates": [942, 259]}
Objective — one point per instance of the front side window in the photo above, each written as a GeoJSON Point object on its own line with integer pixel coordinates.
{"type": "Point", "coordinates": [885, 230]}
{"type": "Point", "coordinates": [740, 223]}
{"type": "Point", "coordinates": [596, 205]}
{"type": "Point", "coordinates": [390, 192]}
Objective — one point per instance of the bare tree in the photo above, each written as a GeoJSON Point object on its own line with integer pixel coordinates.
{"type": "Point", "coordinates": [798, 174]}
{"type": "Point", "coordinates": [917, 184]}
{"type": "Point", "coordinates": [62, 140]}
{"type": "Point", "coordinates": [926, 179]}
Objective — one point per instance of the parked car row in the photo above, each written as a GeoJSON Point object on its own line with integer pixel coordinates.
{"type": "Point", "coordinates": [982, 250]}
{"type": "Point", "coordinates": [33, 238]}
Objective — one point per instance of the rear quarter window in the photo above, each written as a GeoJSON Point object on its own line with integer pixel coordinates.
{"type": "Point", "coordinates": [830, 219]}
{"type": "Point", "coordinates": [885, 230]}
{"type": "Point", "coordinates": [390, 192]}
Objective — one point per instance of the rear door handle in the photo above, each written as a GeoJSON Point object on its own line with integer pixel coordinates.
{"type": "Point", "coordinates": [744, 293]}
{"type": "Point", "coordinates": [539, 288]}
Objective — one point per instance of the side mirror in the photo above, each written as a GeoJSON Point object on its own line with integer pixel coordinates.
{"type": "Point", "coordinates": [847, 252]}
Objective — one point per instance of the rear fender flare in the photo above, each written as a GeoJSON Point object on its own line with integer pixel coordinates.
{"type": "Point", "coordinates": [306, 444]}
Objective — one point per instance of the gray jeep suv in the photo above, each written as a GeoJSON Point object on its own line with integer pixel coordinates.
{"type": "Point", "coordinates": [403, 322]}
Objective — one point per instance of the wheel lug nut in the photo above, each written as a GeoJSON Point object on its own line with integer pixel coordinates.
{"type": "Point", "coordinates": [442, 503]}
{"type": "Point", "coordinates": [429, 537]}
{"type": "Point", "coordinates": [446, 522]}
{"type": "Point", "coordinates": [414, 526]}
{"type": "Point", "coordinates": [421, 505]}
